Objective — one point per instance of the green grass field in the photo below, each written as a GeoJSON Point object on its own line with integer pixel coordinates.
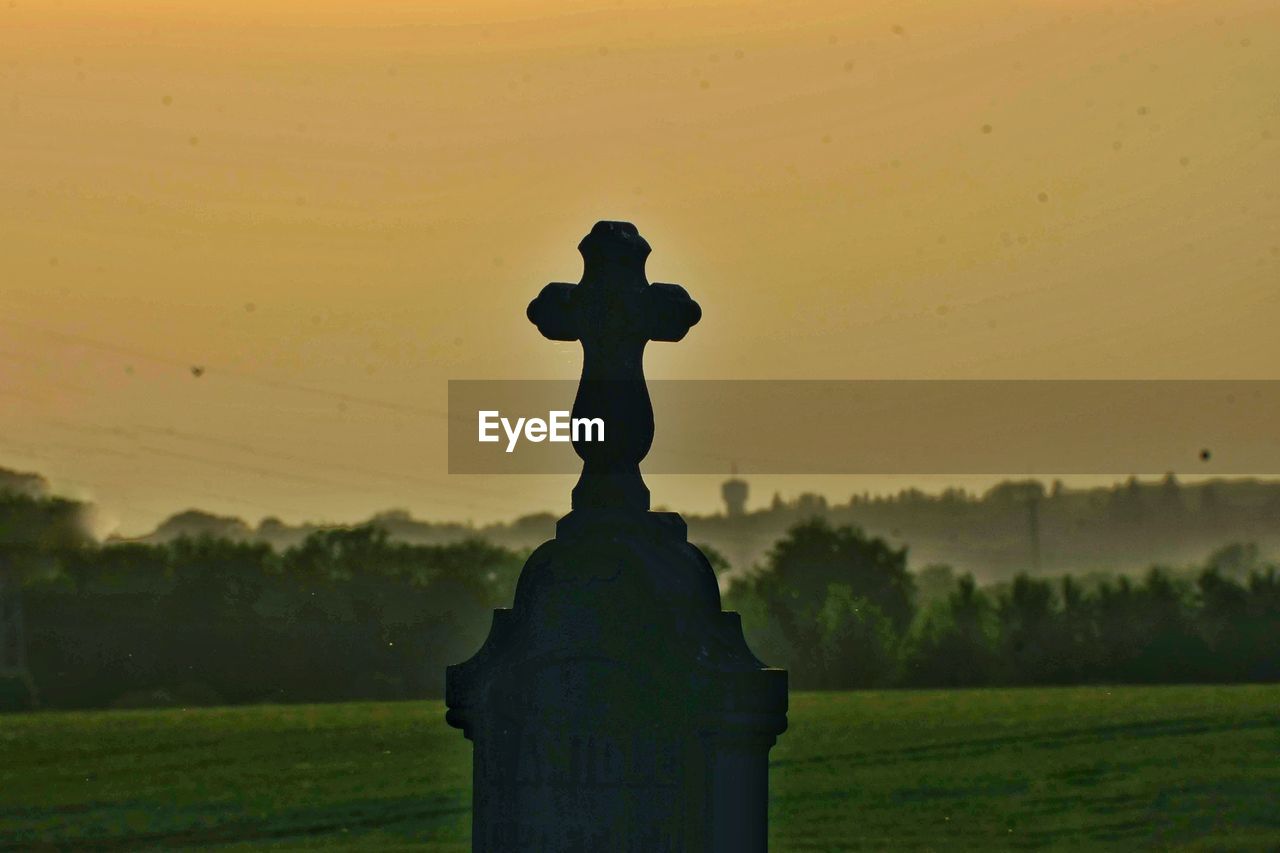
{"type": "Point", "coordinates": [1120, 768]}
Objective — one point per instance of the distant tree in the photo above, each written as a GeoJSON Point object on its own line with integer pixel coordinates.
{"type": "Point", "coordinates": [35, 532]}
{"type": "Point", "coordinates": [1212, 506]}
{"type": "Point", "coordinates": [1263, 620]}
{"type": "Point", "coordinates": [338, 553]}
{"type": "Point", "coordinates": [1126, 504]}
{"type": "Point", "coordinates": [1120, 638]}
{"type": "Point", "coordinates": [217, 635]}
{"type": "Point", "coordinates": [1017, 492]}
{"type": "Point", "coordinates": [953, 644]}
{"type": "Point", "coordinates": [1028, 626]}
{"type": "Point", "coordinates": [1224, 622]}
{"type": "Point", "coordinates": [1171, 505]}
{"type": "Point", "coordinates": [1077, 654]}
{"type": "Point", "coordinates": [1148, 632]}
{"type": "Point", "coordinates": [858, 646]}
{"type": "Point", "coordinates": [1236, 560]}
{"type": "Point", "coordinates": [194, 524]}
{"type": "Point", "coordinates": [803, 566]}
{"type": "Point", "coordinates": [1174, 650]}
{"type": "Point", "coordinates": [811, 504]}
{"type": "Point", "coordinates": [934, 583]}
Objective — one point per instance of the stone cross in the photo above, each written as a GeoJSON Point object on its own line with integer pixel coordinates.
{"type": "Point", "coordinates": [614, 311]}
{"type": "Point", "coordinates": [614, 706]}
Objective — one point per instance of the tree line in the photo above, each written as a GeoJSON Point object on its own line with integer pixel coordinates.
{"type": "Point", "coordinates": [349, 613]}
{"type": "Point", "coordinates": [840, 610]}
{"type": "Point", "coordinates": [346, 614]}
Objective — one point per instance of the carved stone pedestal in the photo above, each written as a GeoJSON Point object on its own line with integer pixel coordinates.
{"type": "Point", "coordinates": [615, 707]}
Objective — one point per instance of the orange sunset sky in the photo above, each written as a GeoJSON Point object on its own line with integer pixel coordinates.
{"type": "Point", "coordinates": [335, 208]}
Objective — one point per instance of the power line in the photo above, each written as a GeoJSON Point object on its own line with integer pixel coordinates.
{"type": "Point", "coordinates": [242, 447]}
{"type": "Point", "coordinates": [275, 384]}
{"type": "Point", "coordinates": [98, 482]}
{"type": "Point", "coordinates": [130, 435]}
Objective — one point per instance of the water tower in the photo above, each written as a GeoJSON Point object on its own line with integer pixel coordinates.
{"type": "Point", "coordinates": [734, 492]}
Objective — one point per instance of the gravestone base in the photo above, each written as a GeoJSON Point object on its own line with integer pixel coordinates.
{"type": "Point", "coordinates": [615, 707]}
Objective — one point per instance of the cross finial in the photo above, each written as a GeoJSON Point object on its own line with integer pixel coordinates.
{"type": "Point", "coordinates": [614, 311]}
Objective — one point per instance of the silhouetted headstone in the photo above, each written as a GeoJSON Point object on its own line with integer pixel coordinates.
{"type": "Point", "coordinates": [615, 707]}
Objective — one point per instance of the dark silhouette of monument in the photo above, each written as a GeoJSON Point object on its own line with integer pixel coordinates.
{"type": "Point", "coordinates": [734, 492]}
{"type": "Point", "coordinates": [615, 707]}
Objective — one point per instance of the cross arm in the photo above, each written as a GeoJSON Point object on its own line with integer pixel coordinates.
{"type": "Point", "coordinates": [552, 312]}
{"type": "Point", "coordinates": [670, 312]}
